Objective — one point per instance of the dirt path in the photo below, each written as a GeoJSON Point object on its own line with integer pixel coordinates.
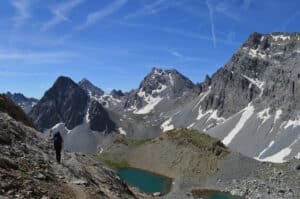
{"type": "Point", "coordinates": [63, 174]}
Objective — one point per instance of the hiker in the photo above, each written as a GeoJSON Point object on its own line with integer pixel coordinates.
{"type": "Point", "coordinates": [58, 141]}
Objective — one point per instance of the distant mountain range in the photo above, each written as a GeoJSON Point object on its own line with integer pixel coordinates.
{"type": "Point", "coordinates": [251, 104]}
{"type": "Point", "coordinates": [24, 102]}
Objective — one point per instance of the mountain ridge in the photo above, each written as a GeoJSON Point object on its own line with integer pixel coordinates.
{"type": "Point", "coordinates": [241, 103]}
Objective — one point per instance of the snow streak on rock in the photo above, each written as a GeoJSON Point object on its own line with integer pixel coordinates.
{"type": "Point", "coordinates": [247, 113]}
{"type": "Point", "coordinates": [282, 154]}
{"type": "Point", "coordinates": [264, 151]}
{"type": "Point", "coordinates": [122, 131]}
{"type": "Point", "coordinates": [166, 126]}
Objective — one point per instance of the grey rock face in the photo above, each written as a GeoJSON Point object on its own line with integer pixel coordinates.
{"type": "Point", "coordinates": [99, 118]}
{"type": "Point", "coordinates": [64, 102]}
{"type": "Point", "coordinates": [158, 77]}
{"type": "Point", "coordinates": [117, 93]}
{"type": "Point", "coordinates": [24, 102]}
{"type": "Point", "coordinates": [90, 88]}
{"type": "Point", "coordinates": [166, 84]}
{"type": "Point", "coordinates": [252, 103]}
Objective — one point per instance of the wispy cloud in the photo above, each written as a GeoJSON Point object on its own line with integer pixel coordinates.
{"type": "Point", "coordinates": [94, 17]}
{"type": "Point", "coordinates": [212, 23]}
{"type": "Point", "coordinates": [224, 8]}
{"type": "Point", "coordinates": [152, 8]}
{"type": "Point", "coordinates": [35, 57]}
{"type": "Point", "coordinates": [184, 58]}
{"type": "Point", "coordinates": [22, 8]}
{"type": "Point", "coordinates": [179, 32]}
{"type": "Point", "coordinates": [61, 13]}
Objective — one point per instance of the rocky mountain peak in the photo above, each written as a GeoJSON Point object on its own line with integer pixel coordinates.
{"type": "Point", "coordinates": [64, 102]}
{"type": "Point", "coordinates": [14, 111]}
{"type": "Point", "coordinates": [24, 102]}
{"type": "Point", "coordinates": [62, 82]}
{"type": "Point", "coordinates": [159, 80]}
{"type": "Point", "coordinates": [117, 93]}
{"type": "Point", "coordinates": [86, 85]}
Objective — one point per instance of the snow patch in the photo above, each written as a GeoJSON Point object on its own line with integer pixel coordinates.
{"type": "Point", "coordinates": [247, 113]}
{"type": "Point", "coordinates": [202, 97]}
{"type": "Point", "coordinates": [101, 151]}
{"type": "Point", "coordinates": [255, 53]}
{"type": "Point", "coordinates": [150, 100]}
{"type": "Point", "coordinates": [281, 37]}
{"type": "Point", "coordinates": [171, 79]}
{"type": "Point", "coordinates": [281, 155]}
{"type": "Point", "coordinates": [257, 83]}
{"type": "Point", "coordinates": [264, 115]}
{"type": "Point", "coordinates": [157, 72]}
{"type": "Point", "coordinates": [87, 115]}
{"type": "Point", "coordinates": [59, 127]}
{"type": "Point", "coordinates": [214, 116]}
{"type": "Point", "coordinates": [277, 115]}
{"type": "Point", "coordinates": [122, 131]}
{"type": "Point", "coordinates": [105, 99]}
{"type": "Point", "coordinates": [265, 150]}
{"type": "Point", "coordinates": [166, 126]}
{"type": "Point", "coordinates": [191, 125]}
{"type": "Point", "coordinates": [292, 123]}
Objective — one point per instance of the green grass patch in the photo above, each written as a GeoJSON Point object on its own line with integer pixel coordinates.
{"type": "Point", "coordinates": [137, 142]}
{"type": "Point", "coordinates": [117, 164]}
{"type": "Point", "coordinates": [194, 137]}
{"type": "Point", "coordinates": [111, 162]}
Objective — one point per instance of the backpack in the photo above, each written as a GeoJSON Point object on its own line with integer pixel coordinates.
{"type": "Point", "coordinates": [57, 139]}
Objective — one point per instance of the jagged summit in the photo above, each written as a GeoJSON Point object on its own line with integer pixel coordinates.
{"type": "Point", "coordinates": [117, 93]}
{"type": "Point", "coordinates": [90, 88]}
{"type": "Point", "coordinates": [158, 80]}
{"type": "Point", "coordinates": [14, 111]}
{"type": "Point", "coordinates": [159, 85]}
{"type": "Point", "coordinates": [64, 102]}
{"type": "Point", "coordinates": [63, 81]}
{"type": "Point", "coordinates": [24, 102]}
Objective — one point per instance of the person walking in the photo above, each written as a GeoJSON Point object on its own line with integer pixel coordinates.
{"type": "Point", "coordinates": [58, 141]}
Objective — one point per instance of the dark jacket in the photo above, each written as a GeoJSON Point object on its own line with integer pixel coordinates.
{"type": "Point", "coordinates": [57, 140]}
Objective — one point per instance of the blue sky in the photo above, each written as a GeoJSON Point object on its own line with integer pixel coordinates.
{"type": "Point", "coordinates": [115, 43]}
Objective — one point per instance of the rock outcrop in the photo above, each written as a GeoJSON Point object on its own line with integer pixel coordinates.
{"type": "Point", "coordinates": [99, 118]}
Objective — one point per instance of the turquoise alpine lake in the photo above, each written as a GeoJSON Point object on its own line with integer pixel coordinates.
{"type": "Point", "coordinates": [145, 181]}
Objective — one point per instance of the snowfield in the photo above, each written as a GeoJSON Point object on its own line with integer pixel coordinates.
{"type": "Point", "coordinates": [247, 113]}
